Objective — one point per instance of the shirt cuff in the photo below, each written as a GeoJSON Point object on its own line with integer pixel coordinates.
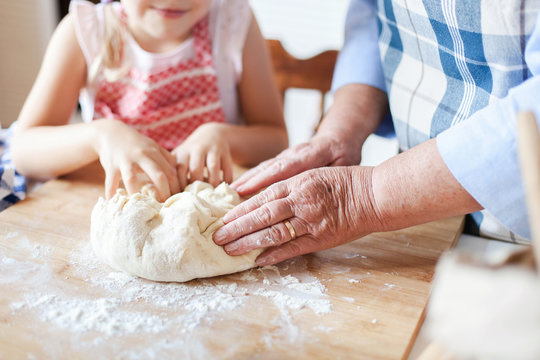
{"type": "Point", "coordinates": [481, 153]}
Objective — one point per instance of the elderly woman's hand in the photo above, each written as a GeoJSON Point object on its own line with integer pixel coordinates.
{"type": "Point", "coordinates": [318, 152]}
{"type": "Point", "coordinates": [356, 111]}
{"type": "Point", "coordinates": [324, 207]}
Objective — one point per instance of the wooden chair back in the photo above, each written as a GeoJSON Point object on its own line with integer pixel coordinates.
{"type": "Point", "coordinates": [312, 73]}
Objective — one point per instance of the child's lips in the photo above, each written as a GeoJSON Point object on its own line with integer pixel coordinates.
{"type": "Point", "coordinates": [170, 13]}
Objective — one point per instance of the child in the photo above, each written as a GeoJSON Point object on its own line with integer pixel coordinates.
{"type": "Point", "coordinates": [168, 89]}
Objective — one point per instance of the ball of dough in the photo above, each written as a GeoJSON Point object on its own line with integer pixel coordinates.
{"type": "Point", "coordinates": [170, 241]}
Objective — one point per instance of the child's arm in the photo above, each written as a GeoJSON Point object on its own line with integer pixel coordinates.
{"type": "Point", "coordinates": [45, 145]}
{"type": "Point", "coordinates": [215, 146]}
{"type": "Point", "coordinates": [262, 107]}
{"type": "Point", "coordinates": [41, 148]}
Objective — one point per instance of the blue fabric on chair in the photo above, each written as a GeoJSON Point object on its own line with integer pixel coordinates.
{"type": "Point", "coordinates": [12, 184]}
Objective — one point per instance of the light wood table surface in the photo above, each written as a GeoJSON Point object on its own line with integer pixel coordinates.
{"type": "Point", "coordinates": [362, 300]}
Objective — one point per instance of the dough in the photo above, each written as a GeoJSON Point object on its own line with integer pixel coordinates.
{"type": "Point", "coordinates": [170, 241]}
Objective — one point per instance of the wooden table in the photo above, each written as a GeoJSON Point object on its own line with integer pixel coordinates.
{"type": "Point", "coordinates": [361, 300]}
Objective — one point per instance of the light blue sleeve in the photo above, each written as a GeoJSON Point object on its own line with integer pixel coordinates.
{"type": "Point", "coordinates": [359, 60]}
{"type": "Point", "coordinates": [482, 152]}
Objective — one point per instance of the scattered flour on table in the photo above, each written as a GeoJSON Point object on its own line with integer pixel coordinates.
{"type": "Point", "coordinates": [118, 304]}
{"type": "Point", "coordinates": [339, 269]}
{"type": "Point", "coordinates": [354, 255]}
{"type": "Point", "coordinates": [325, 329]}
{"type": "Point", "coordinates": [81, 315]}
{"type": "Point", "coordinates": [38, 251]}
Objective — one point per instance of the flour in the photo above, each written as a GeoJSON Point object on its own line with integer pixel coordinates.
{"type": "Point", "coordinates": [325, 329]}
{"type": "Point", "coordinates": [8, 261]}
{"type": "Point", "coordinates": [114, 305]}
{"type": "Point", "coordinates": [38, 251]}
{"type": "Point", "coordinates": [338, 269]}
{"type": "Point", "coordinates": [81, 315]}
{"type": "Point", "coordinates": [354, 255]}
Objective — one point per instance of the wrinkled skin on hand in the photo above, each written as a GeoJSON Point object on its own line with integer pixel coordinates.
{"type": "Point", "coordinates": [318, 152]}
{"type": "Point", "coordinates": [326, 207]}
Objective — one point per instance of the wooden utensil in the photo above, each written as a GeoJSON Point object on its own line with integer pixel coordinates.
{"type": "Point", "coordinates": [529, 156]}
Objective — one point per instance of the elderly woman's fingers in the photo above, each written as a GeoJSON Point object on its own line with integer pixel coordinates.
{"type": "Point", "coordinates": [289, 163]}
{"type": "Point", "coordinates": [274, 235]}
{"type": "Point", "coordinates": [300, 246]}
{"type": "Point", "coordinates": [278, 170]}
{"type": "Point", "coordinates": [268, 214]}
{"type": "Point", "coordinates": [245, 177]}
{"type": "Point", "coordinates": [312, 211]}
{"type": "Point", "coordinates": [274, 192]}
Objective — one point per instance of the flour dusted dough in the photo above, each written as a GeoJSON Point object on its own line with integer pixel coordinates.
{"type": "Point", "coordinates": [170, 241]}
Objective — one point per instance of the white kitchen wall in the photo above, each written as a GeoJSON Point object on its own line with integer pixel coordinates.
{"type": "Point", "coordinates": [305, 28]}
{"type": "Point", "coordinates": [25, 29]}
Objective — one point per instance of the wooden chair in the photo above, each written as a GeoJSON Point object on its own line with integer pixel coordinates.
{"type": "Point", "coordinates": [313, 73]}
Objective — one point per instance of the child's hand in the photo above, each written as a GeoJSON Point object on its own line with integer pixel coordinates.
{"type": "Point", "coordinates": [206, 147]}
{"type": "Point", "coordinates": [127, 155]}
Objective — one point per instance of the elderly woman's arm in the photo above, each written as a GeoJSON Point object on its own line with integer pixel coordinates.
{"type": "Point", "coordinates": [355, 113]}
{"type": "Point", "coordinates": [332, 206]}
{"type": "Point", "coordinates": [359, 105]}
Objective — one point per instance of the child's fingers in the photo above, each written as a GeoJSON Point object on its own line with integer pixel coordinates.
{"type": "Point", "coordinates": [213, 165]}
{"type": "Point", "coordinates": [182, 173]}
{"type": "Point", "coordinates": [196, 165]}
{"type": "Point", "coordinates": [163, 175]}
{"type": "Point", "coordinates": [170, 157]}
{"type": "Point", "coordinates": [182, 167]}
{"type": "Point", "coordinates": [248, 175]}
{"type": "Point", "coordinates": [112, 180]}
{"type": "Point", "coordinates": [131, 178]}
{"type": "Point", "coordinates": [227, 167]}
{"type": "Point", "coordinates": [166, 165]}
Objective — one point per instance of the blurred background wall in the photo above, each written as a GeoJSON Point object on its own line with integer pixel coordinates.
{"type": "Point", "coordinates": [305, 27]}
{"type": "Point", "coordinates": [25, 28]}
